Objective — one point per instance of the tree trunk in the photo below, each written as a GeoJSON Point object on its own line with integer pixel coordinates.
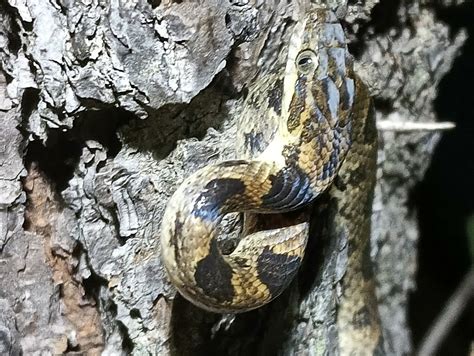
{"type": "Point", "coordinates": [106, 106]}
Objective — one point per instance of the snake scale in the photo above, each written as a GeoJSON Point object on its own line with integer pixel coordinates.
{"type": "Point", "coordinates": [304, 123]}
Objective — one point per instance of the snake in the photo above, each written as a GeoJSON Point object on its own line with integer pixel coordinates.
{"type": "Point", "coordinates": [306, 122]}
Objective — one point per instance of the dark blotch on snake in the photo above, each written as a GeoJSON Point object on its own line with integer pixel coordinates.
{"type": "Point", "coordinates": [289, 190]}
{"type": "Point", "coordinates": [214, 196]}
{"type": "Point", "coordinates": [232, 163]}
{"type": "Point", "coordinates": [329, 168]}
{"type": "Point", "coordinates": [276, 270]}
{"type": "Point", "coordinates": [297, 105]}
{"type": "Point", "coordinates": [178, 227]}
{"type": "Point", "coordinates": [320, 94]}
{"type": "Point", "coordinates": [214, 276]}
{"type": "Point", "coordinates": [274, 96]}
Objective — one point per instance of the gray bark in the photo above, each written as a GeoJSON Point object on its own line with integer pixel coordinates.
{"type": "Point", "coordinates": [107, 105]}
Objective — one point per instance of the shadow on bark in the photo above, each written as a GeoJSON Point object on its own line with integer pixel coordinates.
{"type": "Point", "coordinates": [60, 154]}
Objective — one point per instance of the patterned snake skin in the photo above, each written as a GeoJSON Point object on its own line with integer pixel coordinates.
{"type": "Point", "coordinates": [304, 123]}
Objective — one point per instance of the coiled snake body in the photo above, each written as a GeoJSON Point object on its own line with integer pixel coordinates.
{"type": "Point", "coordinates": [303, 124]}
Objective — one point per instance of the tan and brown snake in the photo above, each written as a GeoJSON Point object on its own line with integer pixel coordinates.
{"type": "Point", "coordinates": [307, 121]}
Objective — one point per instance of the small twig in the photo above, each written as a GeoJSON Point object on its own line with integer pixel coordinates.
{"type": "Point", "coordinates": [405, 126]}
{"type": "Point", "coordinates": [448, 316]}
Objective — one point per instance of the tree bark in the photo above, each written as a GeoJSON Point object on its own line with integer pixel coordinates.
{"type": "Point", "coordinates": [106, 106]}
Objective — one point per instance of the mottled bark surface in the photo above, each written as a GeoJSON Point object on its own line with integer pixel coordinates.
{"type": "Point", "coordinates": [106, 106]}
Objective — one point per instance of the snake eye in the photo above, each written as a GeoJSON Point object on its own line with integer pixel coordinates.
{"type": "Point", "coordinates": [306, 61]}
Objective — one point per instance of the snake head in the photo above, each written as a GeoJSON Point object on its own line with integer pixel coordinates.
{"type": "Point", "coordinates": [318, 98]}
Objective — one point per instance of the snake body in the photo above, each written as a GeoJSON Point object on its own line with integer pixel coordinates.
{"type": "Point", "coordinates": [304, 121]}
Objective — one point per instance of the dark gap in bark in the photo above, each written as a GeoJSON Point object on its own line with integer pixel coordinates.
{"type": "Point", "coordinates": [190, 328]}
{"type": "Point", "coordinates": [445, 198]}
{"type": "Point", "coordinates": [127, 343]}
{"type": "Point", "coordinates": [71, 348]}
{"type": "Point", "coordinates": [14, 40]}
{"type": "Point", "coordinates": [28, 26]}
{"type": "Point", "coordinates": [456, 17]}
{"type": "Point", "coordinates": [8, 77]}
{"type": "Point", "coordinates": [258, 332]}
{"type": "Point", "coordinates": [384, 16]}
{"type": "Point", "coordinates": [135, 313]}
{"type": "Point", "coordinates": [280, 316]}
{"type": "Point", "coordinates": [383, 105]}
{"type": "Point", "coordinates": [157, 133]}
{"type": "Point", "coordinates": [29, 101]}
{"type": "Point", "coordinates": [94, 282]}
{"type": "Point", "coordinates": [318, 243]}
{"type": "Point", "coordinates": [254, 333]}
{"type": "Point", "coordinates": [154, 3]}
{"type": "Point", "coordinates": [228, 20]}
{"type": "Point", "coordinates": [111, 308]}
{"type": "Point", "coordinates": [59, 156]}
{"type": "Point", "coordinates": [102, 126]}
{"type": "Point", "coordinates": [223, 82]}
{"type": "Point", "coordinates": [57, 161]}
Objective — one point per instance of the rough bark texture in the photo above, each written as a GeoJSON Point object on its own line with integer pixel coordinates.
{"type": "Point", "coordinates": [105, 107]}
